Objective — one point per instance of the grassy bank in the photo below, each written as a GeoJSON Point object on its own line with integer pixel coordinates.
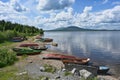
{"type": "Point", "coordinates": [9, 34]}
{"type": "Point", "coordinates": [7, 57]}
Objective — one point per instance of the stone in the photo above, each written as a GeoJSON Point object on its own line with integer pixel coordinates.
{"type": "Point", "coordinates": [42, 69]}
{"type": "Point", "coordinates": [86, 74]}
{"type": "Point", "coordinates": [22, 73]}
{"type": "Point", "coordinates": [73, 70]}
{"type": "Point", "coordinates": [63, 69]}
{"type": "Point", "coordinates": [57, 77]}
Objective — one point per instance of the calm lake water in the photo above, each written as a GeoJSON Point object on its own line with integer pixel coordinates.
{"type": "Point", "coordinates": [102, 47]}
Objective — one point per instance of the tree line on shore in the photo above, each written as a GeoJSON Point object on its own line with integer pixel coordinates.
{"type": "Point", "coordinates": [9, 30]}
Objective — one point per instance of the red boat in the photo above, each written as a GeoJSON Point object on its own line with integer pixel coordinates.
{"type": "Point", "coordinates": [67, 58]}
{"type": "Point", "coordinates": [58, 56]}
{"type": "Point", "coordinates": [28, 45]}
{"type": "Point", "coordinates": [76, 61]}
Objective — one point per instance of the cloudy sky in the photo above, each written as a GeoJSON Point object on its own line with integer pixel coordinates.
{"type": "Point", "coordinates": [50, 14]}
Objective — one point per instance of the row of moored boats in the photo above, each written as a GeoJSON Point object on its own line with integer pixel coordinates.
{"type": "Point", "coordinates": [35, 48]}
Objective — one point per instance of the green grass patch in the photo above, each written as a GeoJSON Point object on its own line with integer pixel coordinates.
{"type": "Point", "coordinates": [7, 72]}
{"type": "Point", "coordinates": [67, 73]}
{"type": "Point", "coordinates": [49, 68]}
{"type": "Point", "coordinates": [6, 43]}
{"type": "Point", "coordinates": [7, 57]}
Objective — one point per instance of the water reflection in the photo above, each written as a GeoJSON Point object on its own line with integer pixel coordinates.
{"type": "Point", "coordinates": [89, 44]}
{"type": "Point", "coordinates": [101, 46]}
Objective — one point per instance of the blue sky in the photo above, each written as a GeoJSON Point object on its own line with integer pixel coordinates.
{"type": "Point", "coordinates": [50, 14]}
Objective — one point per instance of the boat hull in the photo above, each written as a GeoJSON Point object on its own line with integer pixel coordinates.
{"type": "Point", "coordinates": [22, 51]}
{"type": "Point", "coordinates": [28, 45]}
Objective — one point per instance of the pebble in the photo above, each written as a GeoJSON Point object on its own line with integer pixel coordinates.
{"type": "Point", "coordinates": [42, 69]}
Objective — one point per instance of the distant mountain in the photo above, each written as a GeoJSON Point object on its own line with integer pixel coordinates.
{"type": "Point", "coordinates": [70, 28]}
{"type": "Point", "coordinates": [75, 28]}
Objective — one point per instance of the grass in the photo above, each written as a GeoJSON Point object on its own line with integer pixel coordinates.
{"type": "Point", "coordinates": [7, 72]}
{"type": "Point", "coordinates": [6, 43]}
{"type": "Point", "coordinates": [95, 78]}
{"type": "Point", "coordinates": [7, 57]}
{"type": "Point", "coordinates": [67, 73]}
{"type": "Point", "coordinates": [49, 68]}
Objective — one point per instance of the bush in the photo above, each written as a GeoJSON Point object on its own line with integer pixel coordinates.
{"type": "Point", "coordinates": [9, 34]}
{"type": "Point", "coordinates": [2, 37]}
{"type": "Point", "coordinates": [7, 57]}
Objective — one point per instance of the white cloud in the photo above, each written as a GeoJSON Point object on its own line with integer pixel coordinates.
{"type": "Point", "coordinates": [13, 11]}
{"type": "Point", "coordinates": [46, 5]}
{"type": "Point", "coordinates": [17, 6]}
{"type": "Point", "coordinates": [106, 19]}
{"type": "Point", "coordinates": [87, 9]}
{"type": "Point", "coordinates": [61, 16]}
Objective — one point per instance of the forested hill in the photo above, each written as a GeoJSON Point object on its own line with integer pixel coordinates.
{"type": "Point", "coordinates": [6, 25]}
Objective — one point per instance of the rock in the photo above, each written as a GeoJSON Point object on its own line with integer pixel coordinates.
{"type": "Point", "coordinates": [57, 77]}
{"type": "Point", "coordinates": [30, 61]}
{"type": "Point", "coordinates": [42, 69]}
{"type": "Point", "coordinates": [63, 69]}
{"type": "Point", "coordinates": [73, 70]}
{"type": "Point", "coordinates": [86, 74]}
{"type": "Point", "coordinates": [77, 73]}
{"type": "Point", "coordinates": [45, 78]}
{"type": "Point", "coordinates": [22, 73]}
{"type": "Point", "coordinates": [101, 79]}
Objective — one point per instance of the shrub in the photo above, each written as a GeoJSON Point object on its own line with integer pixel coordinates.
{"type": "Point", "coordinates": [2, 37]}
{"type": "Point", "coordinates": [7, 57]}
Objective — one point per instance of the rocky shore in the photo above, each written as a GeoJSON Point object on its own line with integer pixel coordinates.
{"type": "Point", "coordinates": [39, 69]}
{"type": "Point", "coordinates": [34, 66]}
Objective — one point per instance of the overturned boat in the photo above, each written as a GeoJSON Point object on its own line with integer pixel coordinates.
{"type": "Point", "coordinates": [82, 61]}
{"type": "Point", "coordinates": [39, 47]}
{"type": "Point", "coordinates": [44, 40]}
{"type": "Point", "coordinates": [28, 44]}
{"type": "Point", "coordinates": [18, 39]}
{"type": "Point", "coordinates": [58, 56]}
{"type": "Point", "coordinates": [26, 51]}
{"type": "Point", "coordinates": [67, 58]}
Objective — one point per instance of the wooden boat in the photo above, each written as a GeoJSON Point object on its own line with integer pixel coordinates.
{"type": "Point", "coordinates": [58, 56]}
{"type": "Point", "coordinates": [48, 40]}
{"type": "Point", "coordinates": [38, 37]}
{"type": "Point", "coordinates": [39, 47]}
{"type": "Point", "coordinates": [17, 39]}
{"type": "Point", "coordinates": [28, 45]}
{"type": "Point", "coordinates": [27, 51]}
{"type": "Point", "coordinates": [45, 40]}
{"type": "Point", "coordinates": [76, 61]}
{"type": "Point", "coordinates": [103, 69]}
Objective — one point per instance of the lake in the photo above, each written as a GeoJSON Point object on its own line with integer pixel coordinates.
{"type": "Point", "coordinates": [102, 47]}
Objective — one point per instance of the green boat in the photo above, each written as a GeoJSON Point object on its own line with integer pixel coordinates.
{"type": "Point", "coordinates": [27, 51]}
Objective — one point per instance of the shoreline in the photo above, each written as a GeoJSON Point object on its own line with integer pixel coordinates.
{"type": "Point", "coordinates": [37, 61]}
{"type": "Point", "coordinates": [31, 64]}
